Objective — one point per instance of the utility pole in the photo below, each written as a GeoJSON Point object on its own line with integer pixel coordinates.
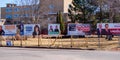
{"type": "Point", "coordinates": [101, 17]}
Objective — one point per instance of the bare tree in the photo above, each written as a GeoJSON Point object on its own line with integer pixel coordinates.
{"type": "Point", "coordinates": [113, 7]}
{"type": "Point", "coordinates": [30, 7]}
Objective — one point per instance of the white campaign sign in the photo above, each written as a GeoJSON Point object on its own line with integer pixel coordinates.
{"type": "Point", "coordinates": [54, 29]}
{"type": "Point", "coordinates": [113, 28]}
{"type": "Point", "coordinates": [78, 29]}
{"type": "Point", "coordinates": [9, 30]}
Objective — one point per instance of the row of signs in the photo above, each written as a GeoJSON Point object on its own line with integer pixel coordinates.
{"type": "Point", "coordinates": [28, 29]}
{"type": "Point", "coordinates": [54, 29]}
{"type": "Point", "coordinates": [102, 29]}
{"type": "Point", "coordinates": [11, 30]}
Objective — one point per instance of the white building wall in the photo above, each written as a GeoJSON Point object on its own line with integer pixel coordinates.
{"type": "Point", "coordinates": [66, 5]}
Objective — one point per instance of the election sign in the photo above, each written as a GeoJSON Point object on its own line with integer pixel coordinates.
{"type": "Point", "coordinates": [9, 30]}
{"type": "Point", "coordinates": [31, 29]}
{"type": "Point", "coordinates": [108, 28]}
{"type": "Point", "coordinates": [78, 29]}
{"type": "Point", "coordinates": [54, 29]}
{"type": "Point", "coordinates": [20, 27]}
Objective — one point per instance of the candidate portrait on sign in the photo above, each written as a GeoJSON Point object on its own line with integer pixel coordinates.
{"type": "Point", "coordinates": [72, 27]}
{"type": "Point", "coordinates": [99, 29]}
{"type": "Point", "coordinates": [36, 30]}
{"type": "Point", "coordinates": [2, 32]}
{"type": "Point", "coordinates": [51, 28]}
{"type": "Point", "coordinates": [56, 29]}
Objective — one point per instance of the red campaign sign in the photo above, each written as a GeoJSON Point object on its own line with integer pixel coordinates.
{"type": "Point", "coordinates": [78, 29]}
{"type": "Point", "coordinates": [115, 31]}
{"type": "Point", "coordinates": [109, 28]}
{"type": "Point", "coordinates": [84, 28]}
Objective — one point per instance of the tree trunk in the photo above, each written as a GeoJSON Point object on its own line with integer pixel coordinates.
{"type": "Point", "coordinates": [111, 15]}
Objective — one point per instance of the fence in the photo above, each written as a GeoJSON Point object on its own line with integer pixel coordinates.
{"type": "Point", "coordinates": [90, 42]}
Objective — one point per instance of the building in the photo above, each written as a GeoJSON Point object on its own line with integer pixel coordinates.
{"type": "Point", "coordinates": [15, 14]}
{"type": "Point", "coordinates": [49, 9]}
{"type": "Point", "coordinates": [47, 12]}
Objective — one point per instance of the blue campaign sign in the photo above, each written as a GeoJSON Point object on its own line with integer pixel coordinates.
{"type": "Point", "coordinates": [8, 43]}
{"type": "Point", "coordinates": [31, 29]}
{"type": "Point", "coordinates": [21, 29]}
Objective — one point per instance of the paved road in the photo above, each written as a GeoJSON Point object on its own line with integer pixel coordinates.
{"type": "Point", "coordinates": [55, 54]}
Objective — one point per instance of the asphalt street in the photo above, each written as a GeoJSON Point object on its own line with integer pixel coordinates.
{"type": "Point", "coordinates": [55, 54]}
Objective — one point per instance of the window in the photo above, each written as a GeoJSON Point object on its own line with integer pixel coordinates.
{"type": "Point", "coordinates": [35, 8]}
{"type": "Point", "coordinates": [51, 18]}
{"type": "Point", "coordinates": [16, 9]}
{"type": "Point", "coordinates": [25, 15]}
{"type": "Point", "coordinates": [16, 15]}
{"type": "Point", "coordinates": [8, 9]}
{"type": "Point", "coordinates": [51, 7]}
{"type": "Point", "coordinates": [8, 16]}
{"type": "Point", "coordinates": [26, 9]}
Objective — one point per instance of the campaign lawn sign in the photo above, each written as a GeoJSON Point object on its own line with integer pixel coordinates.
{"type": "Point", "coordinates": [54, 29]}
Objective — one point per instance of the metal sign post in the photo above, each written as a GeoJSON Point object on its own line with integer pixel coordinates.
{"type": "Point", "coordinates": [39, 40]}
{"type": "Point", "coordinates": [12, 40]}
{"type": "Point", "coordinates": [119, 41]}
{"type": "Point", "coordinates": [71, 41]}
{"type": "Point", "coordinates": [21, 41]}
{"type": "Point", "coordinates": [0, 40]}
{"type": "Point", "coordinates": [99, 42]}
{"type": "Point", "coordinates": [86, 40]}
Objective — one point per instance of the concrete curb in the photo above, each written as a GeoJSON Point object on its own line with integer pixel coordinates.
{"type": "Point", "coordinates": [49, 48]}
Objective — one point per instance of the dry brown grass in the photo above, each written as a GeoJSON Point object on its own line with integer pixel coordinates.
{"type": "Point", "coordinates": [66, 43]}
